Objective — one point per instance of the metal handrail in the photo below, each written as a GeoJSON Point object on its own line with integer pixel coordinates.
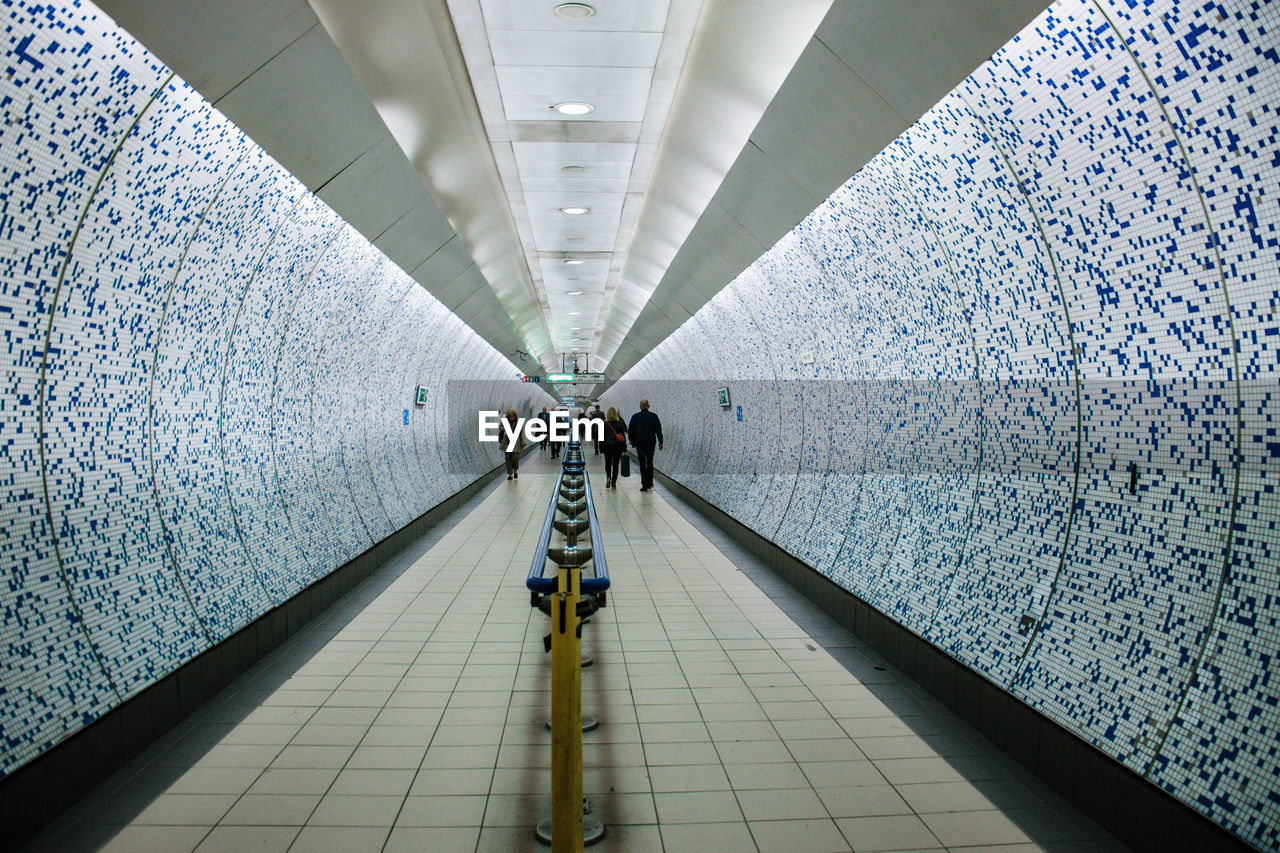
{"type": "Point", "coordinates": [600, 568]}
{"type": "Point", "coordinates": [536, 582]}
{"type": "Point", "coordinates": [593, 585]}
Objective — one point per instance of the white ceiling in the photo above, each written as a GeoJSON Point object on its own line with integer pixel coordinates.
{"type": "Point", "coordinates": [675, 86]}
{"type": "Point", "coordinates": [718, 125]}
{"type": "Point", "coordinates": [623, 60]}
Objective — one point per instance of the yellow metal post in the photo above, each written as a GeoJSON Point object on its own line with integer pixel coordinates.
{"type": "Point", "coordinates": [566, 715]}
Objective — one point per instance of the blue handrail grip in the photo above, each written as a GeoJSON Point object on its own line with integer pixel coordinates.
{"type": "Point", "coordinates": [536, 582]}
{"type": "Point", "coordinates": [600, 582]}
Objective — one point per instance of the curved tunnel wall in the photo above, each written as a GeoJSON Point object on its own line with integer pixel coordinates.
{"type": "Point", "coordinates": [209, 380]}
{"type": "Point", "coordinates": [1015, 385]}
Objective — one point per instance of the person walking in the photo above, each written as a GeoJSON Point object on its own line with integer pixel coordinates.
{"type": "Point", "coordinates": [513, 456]}
{"type": "Point", "coordinates": [545, 417]}
{"type": "Point", "coordinates": [597, 415]}
{"type": "Point", "coordinates": [615, 442]}
{"type": "Point", "coordinates": [645, 430]}
{"type": "Point", "coordinates": [555, 445]}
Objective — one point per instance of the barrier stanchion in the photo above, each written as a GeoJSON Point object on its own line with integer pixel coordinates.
{"type": "Point", "coordinates": [567, 826]}
{"type": "Point", "coordinates": [569, 829]}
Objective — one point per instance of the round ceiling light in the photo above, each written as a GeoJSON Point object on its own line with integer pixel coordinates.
{"type": "Point", "coordinates": [572, 108]}
{"type": "Point", "coordinates": [574, 10]}
{"type": "Point", "coordinates": [575, 211]}
{"type": "Point", "coordinates": [573, 261]}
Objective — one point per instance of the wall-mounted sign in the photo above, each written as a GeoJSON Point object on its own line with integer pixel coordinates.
{"type": "Point", "coordinates": [585, 378]}
{"type": "Point", "coordinates": [807, 357]}
{"type": "Point", "coordinates": [528, 378]}
{"type": "Point", "coordinates": [723, 394]}
{"type": "Point", "coordinates": [420, 398]}
{"type": "Point", "coordinates": [406, 417]}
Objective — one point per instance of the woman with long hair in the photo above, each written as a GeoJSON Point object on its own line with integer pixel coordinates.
{"type": "Point", "coordinates": [615, 442]}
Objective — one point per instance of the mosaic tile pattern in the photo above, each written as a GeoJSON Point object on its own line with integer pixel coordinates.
{"type": "Point", "coordinates": [206, 376]}
{"type": "Point", "coordinates": [1052, 310]}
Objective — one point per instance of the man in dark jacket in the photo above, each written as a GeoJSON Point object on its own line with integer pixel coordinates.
{"type": "Point", "coordinates": [597, 415]}
{"type": "Point", "coordinates": [545, 417]}
{"type": "Point", "coordinates": [645, 429]}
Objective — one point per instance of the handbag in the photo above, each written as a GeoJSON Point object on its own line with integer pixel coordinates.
{"type": "Point", "coordinates": [625, 466]}
{"type": "Point", "coordinates": [617, 438]}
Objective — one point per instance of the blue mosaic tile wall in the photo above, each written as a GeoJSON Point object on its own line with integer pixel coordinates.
{"type": "Point", "coordinates": [208, 379]}
{"type": "Point", "coordinates": [1034, 347]}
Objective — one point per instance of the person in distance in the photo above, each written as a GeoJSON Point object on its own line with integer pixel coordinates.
{"type": "Point", "coordinates": [513, 457]}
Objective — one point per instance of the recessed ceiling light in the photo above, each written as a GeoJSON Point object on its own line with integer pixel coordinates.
{"type": "Point", "coordinates": [574, 293]}
{"type": "Point", "coordinates": [573, 108]}
{"type": "Point", "coordinates": [573, 261]}
{"type": "Point", "coordinates": [575, 328]}
{"type": "Point", "coordinates": [574, 170]}
{"type": "Point", "coordinates": [574, 10]}
{"type": "Point", "coordinates": [575, 313]}
{"type": "Point", "coordinates": [575, 211]}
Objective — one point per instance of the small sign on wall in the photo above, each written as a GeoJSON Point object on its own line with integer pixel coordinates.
{"type": "Point", "coordinates": [420, 398]}
{"type": "Point", "coordinates": [406, 417]}
{"type": "Point", "coordinates": [723, 394]}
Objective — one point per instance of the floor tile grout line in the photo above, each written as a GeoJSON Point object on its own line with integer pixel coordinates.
{"type": "Point", "coordinates": [316, 709]}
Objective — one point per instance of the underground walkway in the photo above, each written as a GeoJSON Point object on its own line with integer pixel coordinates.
{"type": "Point", "coordinates": [410, 717]}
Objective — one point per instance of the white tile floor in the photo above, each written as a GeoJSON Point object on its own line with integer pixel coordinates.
{"type": "Point", "coordinates": [411, 717]}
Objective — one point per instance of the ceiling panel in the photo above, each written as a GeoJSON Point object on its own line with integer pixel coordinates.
{"type": "Point", "coordinates": [213, 44]}
{"type": "Point", "coordinates": [529, 92]}
{"type": "Point", "coordinates": [415, 236]}
{"type": "Point", "coordinates": [330, 120]}
{"type": "Point", "coordinates": [442, 266]}
{"type": "Point", "coordinates": [947, 39]}
{"type": "Point", "coordinates": [762, 197]}
{"type": "Point", "coordinates": [650, 15]}
{"type": "Point", "coordinates": [377, 189]}
{"type": "Point", "coordinates": [573, 186]}
{"type": "Point", "coordinates": [823, 100]}
{"type": "Point", "coordinates": [594, 169]}
{"type": "Point", "coordinates": [573, 47]}
{"type": "Point", "coordinates": [554, 153]}
{"type": "Point", "coordinates": [461, 287]}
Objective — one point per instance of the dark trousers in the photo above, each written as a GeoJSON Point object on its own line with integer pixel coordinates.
{"type": "Point", "coordinates": [644, 455]}
{"type": "Point", "coordinates": [612, 456]}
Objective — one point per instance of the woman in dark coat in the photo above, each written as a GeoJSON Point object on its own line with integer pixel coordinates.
{"type": "Point", "coordinates": [615, 442]}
